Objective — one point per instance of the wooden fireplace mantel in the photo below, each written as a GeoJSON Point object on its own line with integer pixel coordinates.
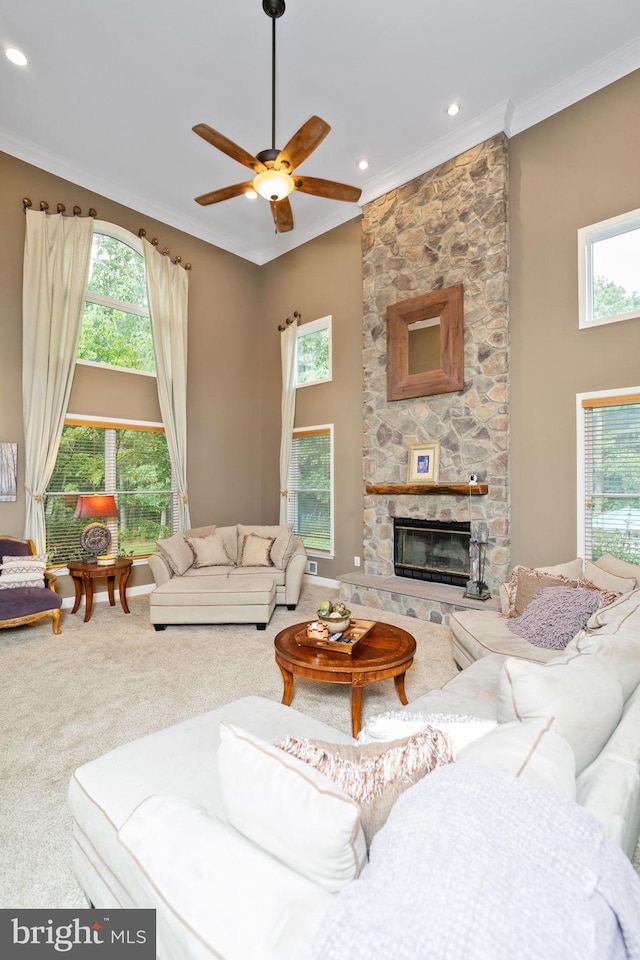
{"type": "Point", "coordinates": [430, 489]}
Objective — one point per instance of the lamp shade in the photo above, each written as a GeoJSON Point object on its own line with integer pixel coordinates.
{"type": "Point", "coordinates": [96, 505]}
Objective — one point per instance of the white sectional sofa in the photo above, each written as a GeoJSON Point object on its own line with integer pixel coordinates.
{"type": "Point", "coordinates": [155, 822]}
{"type": "Point", "coordinates": [222, 582]}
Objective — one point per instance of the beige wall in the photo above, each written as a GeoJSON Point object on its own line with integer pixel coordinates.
{"type": "Point", "coordinates": [576, 168]}
{"type": "Point", "coordinates": [320, 278]}
{"type": "Point", "coordinates": [223, 364]}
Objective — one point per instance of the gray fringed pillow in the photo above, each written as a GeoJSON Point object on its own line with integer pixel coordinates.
{"type": "Point", "coordinates": [374, 774]}
{"type": "Point", "coordinates": [555, 616]}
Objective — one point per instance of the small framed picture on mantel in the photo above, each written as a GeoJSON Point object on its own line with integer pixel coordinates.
{"type": "Point", "coordinates": [424, 463]}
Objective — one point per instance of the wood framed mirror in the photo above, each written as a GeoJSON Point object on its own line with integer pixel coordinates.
{"type": "Point", "coordinates": [425, 344]}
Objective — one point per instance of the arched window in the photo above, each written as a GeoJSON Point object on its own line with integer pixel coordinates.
{"type": "Point", "coordinates": [116, 329]}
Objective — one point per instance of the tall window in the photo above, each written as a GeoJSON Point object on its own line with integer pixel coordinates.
{"type": "Point", "coordinates": [313, 352]}
{"type": "Point", "coordinates": [609, 474]}
{"type": "Point", "coordinates": [609, 270]}
{"type": "Point", "coordinates": [96, 455]}
{"type": "Point", "coordinates": [310, 488]}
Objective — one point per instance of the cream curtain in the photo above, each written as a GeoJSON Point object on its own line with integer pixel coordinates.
{"type": "Point", "coordinates": [288, 410]}
{"type": "Point", "coordinates": [168, 291]}
{"type": "Point", "coordinates": [57, 255]}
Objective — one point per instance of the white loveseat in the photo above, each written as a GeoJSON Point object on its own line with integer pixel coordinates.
{"type": "Point", "coordinates": [222, 587]}
{"type": "Point", "coordinates": [152, 825]}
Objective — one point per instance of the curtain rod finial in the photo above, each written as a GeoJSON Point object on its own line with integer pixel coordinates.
{"type": "Point", "coordinates": [26, 203]}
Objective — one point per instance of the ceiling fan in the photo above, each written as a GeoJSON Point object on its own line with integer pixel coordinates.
{"type": "Point", "coordinates": [274, 177]}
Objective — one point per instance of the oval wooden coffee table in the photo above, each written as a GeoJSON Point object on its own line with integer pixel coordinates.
{"type": "Point", "coordinates": [385, 652]}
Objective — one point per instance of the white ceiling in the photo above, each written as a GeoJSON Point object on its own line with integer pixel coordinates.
{"type": "Point", "coordinates": [112, 90]}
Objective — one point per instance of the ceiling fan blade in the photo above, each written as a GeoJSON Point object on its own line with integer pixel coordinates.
{"type": "Point", "coordinates": [302, 144]}
{"type": "Point", "coordinates": [225, 193]}
{"type": "Point", "coordinates": [327, 188]}
{"type": "Point", "coordinates": [282, 215]}
{"type": "Point", "coordinates": [227, 146]}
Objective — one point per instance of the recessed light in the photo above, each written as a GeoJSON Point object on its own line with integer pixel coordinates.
{"type": "Point", "coordinates": [251, 194]}
{"type": "Point", "coordinates": [453, 109]}
{"type": "Point", "coordinates": [363, 164]}
{"type": "Point", "coordinates": [16, 56]}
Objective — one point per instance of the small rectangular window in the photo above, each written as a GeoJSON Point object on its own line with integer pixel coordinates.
{"type": "Point", "coordinates": [129, 461]}
{"type": "Point", "coordinates": [609, 474]}
{"type": "Point", "coordinates": [609, 270]}
{"type": "Point", "coordinates": [310, 488]}
{"type": "Point", "coordinates": [313, 352]}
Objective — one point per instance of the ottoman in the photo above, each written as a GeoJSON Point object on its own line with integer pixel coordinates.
{"type": "Point", "coordinates": [213, 600]}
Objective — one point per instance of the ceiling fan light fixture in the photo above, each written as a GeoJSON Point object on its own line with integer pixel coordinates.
{"type": "Point", "coordinates": [273, 184]}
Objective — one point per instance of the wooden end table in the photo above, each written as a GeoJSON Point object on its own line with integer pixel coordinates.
{"type": "Point", "coordinates": [83, 574]}
{"type": "Point", "coordinates": [385, 652]}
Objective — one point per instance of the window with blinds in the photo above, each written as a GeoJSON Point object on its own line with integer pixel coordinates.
{"type": "Point", "coordinates": [129, 461]}
{"type": "Point", "coordinates": [609, 451]}
{"type": "Point", "coordinates": [310, 488]}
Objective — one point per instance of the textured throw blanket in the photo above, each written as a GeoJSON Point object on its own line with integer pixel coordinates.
{"type": "Point", "coordinates": [475, 865]}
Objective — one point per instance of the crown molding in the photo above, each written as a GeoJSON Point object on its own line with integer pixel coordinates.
{"type": "Point", "coordinates": [31, 153]}
{"type": "Point", "coordinates": [582, 84]}
{"type": "Point", "coordinates": [469, 135]}
{"type": "Point", "coordinates": [284, 242]}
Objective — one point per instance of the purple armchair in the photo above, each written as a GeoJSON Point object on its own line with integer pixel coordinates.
{"type": "Point", "coordinates": [27, 604]}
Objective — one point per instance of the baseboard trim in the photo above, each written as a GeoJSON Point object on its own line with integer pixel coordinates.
{"type": "Point", "coordinates": [320, 581]}
{"type": "Point", "coordinates": [103, 597]}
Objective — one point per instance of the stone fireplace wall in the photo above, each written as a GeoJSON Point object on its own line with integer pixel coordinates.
{"type": "Point", "coordinates": [448, 226]}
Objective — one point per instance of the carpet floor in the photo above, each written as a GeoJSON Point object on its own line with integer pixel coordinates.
{"type": "Point", "coordinates": [67, 699]}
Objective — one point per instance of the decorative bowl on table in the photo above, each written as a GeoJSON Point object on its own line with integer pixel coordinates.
{"type": "Point", "coordinates": [336, 622]}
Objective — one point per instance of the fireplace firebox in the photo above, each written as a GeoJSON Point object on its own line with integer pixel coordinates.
{"type": "Point", "coordinates": [431, 550]}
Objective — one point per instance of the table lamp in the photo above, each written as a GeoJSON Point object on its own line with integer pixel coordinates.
{"type": "Point", "coordinates": [95, 537]}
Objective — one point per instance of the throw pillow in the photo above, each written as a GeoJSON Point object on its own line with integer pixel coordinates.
{"type": "Point", "coordinates": [573, 570]}
{"type": "Point", "coordinates": [176, 552]}
{"type": "Point", "coordinates": [531, 751]}
{"type": "Point", "coordinates": [608, 581]}
{"type": "Point", "coordinates": [581, 691]}
{"type": "Point", "coordinates": [620, 650]}
{"type": "Point", "coordinates": [207, 531]}
{"type": "Point", "coordinates": [525, 583]}
{"type": "Point", "coordinates": [395, 724]}
{"type": "Point", "coordinates": [297, 814]}
{"type": "Point", "coordinates": [17, 572]}
{"type": "Point", "coordinates": [374, 775]}
{"type": "Point", "coordinates": [617, 614]}
{"type": "Point", "coordinates": [208, 551]}
{"type": "Point", "coordinates": [283, 549]}
{"type": "Point", "coordinates": [256, 551]}
{"type": "Point", "coordinates": [620, 568]}
{"type": "Point", "coordinates": [285, 540]}
{"type": "Point", "coordinates": [555, 616]}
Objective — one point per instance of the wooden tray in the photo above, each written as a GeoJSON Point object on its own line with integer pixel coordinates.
{"type": "Point", "coordinates": [351, 637]}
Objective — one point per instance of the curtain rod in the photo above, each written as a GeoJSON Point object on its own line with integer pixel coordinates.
{"type": "Point", "coordinates": [165, 251]}
{"type": "Point", "coordinates": [294, 319]}
{"type": "Point", "coordinates": [27, 204]}
{"type": "Point", "coordinates": [44, 206]}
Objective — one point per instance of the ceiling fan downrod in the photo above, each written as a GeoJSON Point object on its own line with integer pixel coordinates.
{"type": "Point", "coordinates": [273, 9]}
